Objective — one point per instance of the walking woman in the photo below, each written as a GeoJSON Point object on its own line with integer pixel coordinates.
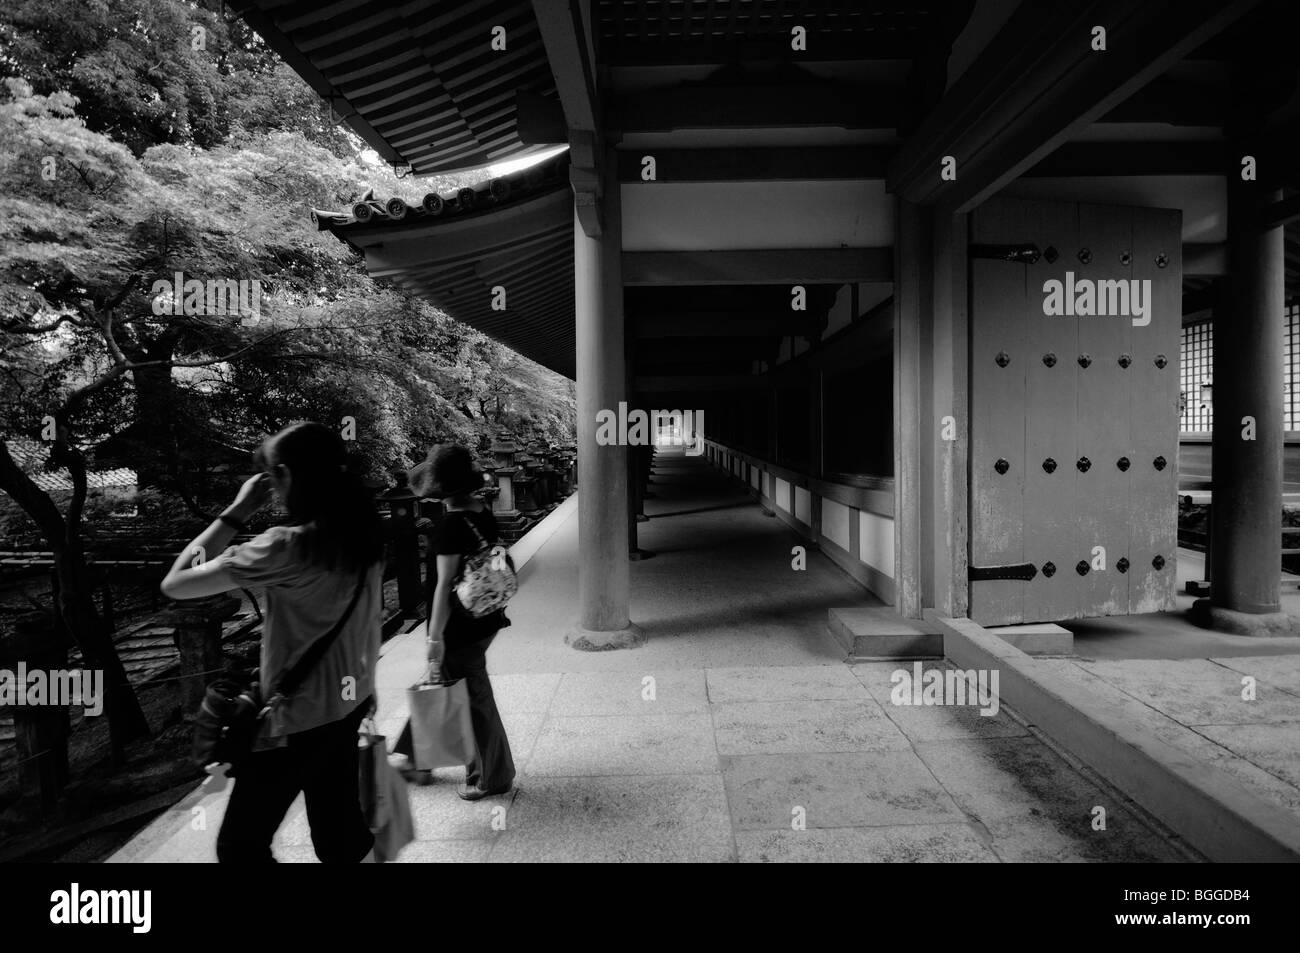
{"type": "Point", "coordinates": [326, 565]}
{"type": "Point", "coordinates": [455, 638]}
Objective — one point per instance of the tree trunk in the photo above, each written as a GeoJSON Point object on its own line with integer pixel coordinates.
{"type": "Point", "coordinates": [156, 464]}
{"type": "Point", "coordinates": [126, 721]}
{"type": "Point", "coordinates": [75, 606]}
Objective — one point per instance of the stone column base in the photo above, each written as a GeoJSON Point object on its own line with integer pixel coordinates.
{"type": "Point", "coordinates": [586, 640]}
{"type": "Point", "coordinates": [1255, 624]}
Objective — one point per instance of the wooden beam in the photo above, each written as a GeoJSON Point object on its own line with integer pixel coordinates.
{"type": "Point", "coordinates": [718, 324]}
{"type": "Point", "coordinates": [700, 383]}
{"type": "Point", "coordinates": [1205, 259]}
{"type": "Point", "coordinates": [1280, 213]}
{"type": "Point", "coordinates": [756, 106]}
{"type": "Point", "coordinates": [789, 164]}
{"type": "Point", "coordinates": [1038, 83]}
{"type": "Point", "coordinates": [759, 266]}
{"type": "Point", "coordinates": [1134, 158]}
{"type": "Point", "coordinates": [774, 47]}
{"type": "Point", "coordinates": [560, 23]}
{"type": "Point", "coordinates": [1174, 101]}
{"type": "Point", "coordinates": [646, 367]}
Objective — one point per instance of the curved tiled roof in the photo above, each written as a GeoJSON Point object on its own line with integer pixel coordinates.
{"type": "Point", "coordinates": [32, 458]}
{"type": "Point", "coordinates": [418, 80]}
{"type": "Point", "coordinates": [514, 233]}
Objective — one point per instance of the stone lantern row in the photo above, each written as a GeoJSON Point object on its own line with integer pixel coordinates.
{"type": "Point", "coordinates": [527, 480]}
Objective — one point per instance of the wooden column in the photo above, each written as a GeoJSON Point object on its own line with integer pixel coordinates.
{"type": "Point", "coordinates": [950, 362]}
{"type": "Point", "coordinates": [603, 579]}
{"type": "Point", "coordinates": [911, 301]}
{"type": "Point", "coordinates": [930, 367]}
{"type": "Point", "coordinates": [1248, 375]}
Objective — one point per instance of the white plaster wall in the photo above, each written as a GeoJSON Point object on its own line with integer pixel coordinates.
{"type": "Point", "coordinates": [783, 494]}
{"type": "Point", "coordinates": [835, 523]}
{"type": "Point", "coordinates": [803, 506]}
{"type": "Point", "coordinates": [877, 542]}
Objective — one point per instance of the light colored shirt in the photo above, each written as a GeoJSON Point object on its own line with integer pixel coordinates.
{"type": "Point", "coordinates": [303, 602]}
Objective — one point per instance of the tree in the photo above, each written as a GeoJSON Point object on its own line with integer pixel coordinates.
{"type": "Point", "coordinates": [204, 161]}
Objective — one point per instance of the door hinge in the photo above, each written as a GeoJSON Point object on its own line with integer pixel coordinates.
{"type": "Point", "coordinates": [1026, 253]}
{"type": "Point", "coordinates": [1024, 571]}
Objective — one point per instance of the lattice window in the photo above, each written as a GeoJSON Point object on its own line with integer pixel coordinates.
{"type": "Point", "coordinates": [1291, 370]}
{"type": "Point", "coordinates": [1197, 374]}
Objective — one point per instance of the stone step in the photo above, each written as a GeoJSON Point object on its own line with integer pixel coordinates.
{"type": "Point", "coordinates": [873, 632]}
{"type": "Point", "coordinates": [1041, 638]}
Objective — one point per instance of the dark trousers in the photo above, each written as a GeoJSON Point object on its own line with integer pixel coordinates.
{"type": "Point", "coordinates": [322, 764]}
{"type": "Point", "coordinates": [493, 766]}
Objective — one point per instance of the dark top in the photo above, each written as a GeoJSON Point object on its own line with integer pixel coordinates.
{"type": "Point", "coordinates": [452, 536]}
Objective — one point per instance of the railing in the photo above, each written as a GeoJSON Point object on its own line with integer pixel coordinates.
{"type": "Point", "coordinates": [1202, 540]}
{"type": "Point", "coordinates": [850, 517]}
{"type": "Point", "coordinates": [186, 641]}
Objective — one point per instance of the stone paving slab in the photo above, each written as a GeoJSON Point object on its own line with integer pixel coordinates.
{"type": "Point", "coordinates": [953, 843]}
{"type": "Point", "coordinates": [771, 684]}
{"type": "Point", "coordinates": [612, 819]}
{"type": "Point", "coordinates": [1198, 692]}
{"type": "Point", "coordinates": [1036, 810]}
{"type": "Point", "coordinates": [847, 789]}
{"type": "Point", "coordinates": [1260, 757]}
{"type": "Point", "coordinates": [671, 691]}
{"type": "Point", "coordinates": [1274, 749]}
{"type": "Point", "coordinates": [789, 727]}
{"type": "Point", "coordinates": [1280, 671]}
{"type": "Point", "coordinates": [931, 722]}
{"type": "Point", "coordinates": [625, 744]}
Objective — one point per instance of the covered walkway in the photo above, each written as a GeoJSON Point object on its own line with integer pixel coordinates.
{"type": "Point", "coordinates": [735, 733]}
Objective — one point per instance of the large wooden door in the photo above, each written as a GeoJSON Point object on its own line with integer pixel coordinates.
{"type": "Point", "coordinates": [1074, 416]}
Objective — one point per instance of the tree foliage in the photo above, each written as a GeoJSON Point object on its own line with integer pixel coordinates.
{"type": "Point", "coordinates": [145, 139]}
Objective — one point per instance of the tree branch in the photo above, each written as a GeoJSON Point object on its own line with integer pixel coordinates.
{"type": "Point", "coordinates": [34, 501]}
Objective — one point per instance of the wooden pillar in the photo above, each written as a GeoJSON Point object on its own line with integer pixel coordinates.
{"type": "Point", "coordinates": [949, 591]}
{"type": "Point", "coordinates": [930, 375]}
{"type": "Point", "coordinates": [1248, 381]}
{"type": "Point", "coordinates": [816, 463]}
{"type": "Point", "coordinates": [603, 577]}
{"type": "Point", "coordinates": [911, 301]}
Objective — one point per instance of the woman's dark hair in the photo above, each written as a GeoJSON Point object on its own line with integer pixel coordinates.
{"type": "Point", "coordinates": [326, 496]}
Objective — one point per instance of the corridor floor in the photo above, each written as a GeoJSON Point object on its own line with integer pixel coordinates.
{"type": "Point", "coordinates": [736, 733]}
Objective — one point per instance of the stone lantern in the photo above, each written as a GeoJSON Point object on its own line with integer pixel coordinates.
{"type": "Point", "coordinates": [506, 473]}
{"type": "Point", "coordinates": [526, 495]}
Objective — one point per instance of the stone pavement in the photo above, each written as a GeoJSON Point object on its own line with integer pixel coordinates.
{"type": "Point", "coordinates": [736, 733]}
{"type": "Point", "coordinates": [1197, 705]}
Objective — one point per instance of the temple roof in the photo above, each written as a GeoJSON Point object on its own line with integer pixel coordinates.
{"type": "Point", "coordinates": [419, 80]}
{"type": "Point", "coordinates": [514, 234]}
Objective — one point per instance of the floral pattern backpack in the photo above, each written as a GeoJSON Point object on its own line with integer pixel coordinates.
{"type": "Point", "coordinates": [487, 579]}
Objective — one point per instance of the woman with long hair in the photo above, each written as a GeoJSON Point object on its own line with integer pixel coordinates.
{"type": "Point", "coordinates": [457, 641]}
{"type": "Point", "coordinates": [328, 557]}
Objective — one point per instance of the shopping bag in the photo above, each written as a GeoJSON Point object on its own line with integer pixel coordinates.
{"type": "Point", "coordinates": [442, 735]}
{"type": "Point", "coordinates": [384, 799]}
